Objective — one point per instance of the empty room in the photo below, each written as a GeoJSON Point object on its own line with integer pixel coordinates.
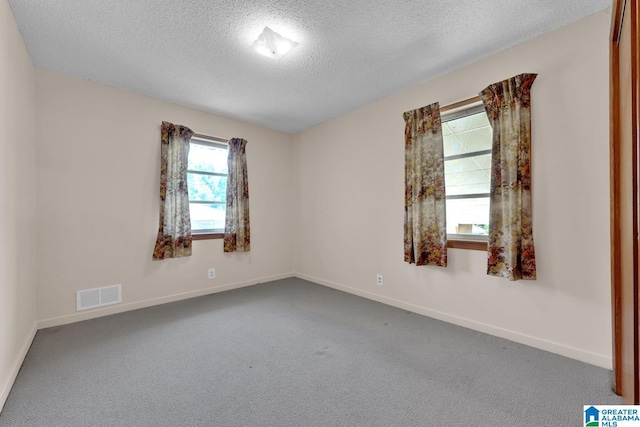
{"type": "Point", "coordinates": [221, 213]}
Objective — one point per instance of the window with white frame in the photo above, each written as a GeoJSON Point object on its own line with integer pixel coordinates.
{"type": "Point", "coordinates": [467, 138]}
{"type": "Point", "coordinates": [207, 181]}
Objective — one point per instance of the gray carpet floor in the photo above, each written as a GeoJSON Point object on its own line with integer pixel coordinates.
{"type": "Point", "coordinates": [292, 353]}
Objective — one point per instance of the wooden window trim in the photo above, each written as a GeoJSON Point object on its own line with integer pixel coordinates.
{"type": "Point", "coordinates": [473, 245]}
{"type": "Point", "coordinates": [207, 236]}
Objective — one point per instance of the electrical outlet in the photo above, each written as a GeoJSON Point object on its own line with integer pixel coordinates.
{"type": "Point", "coordinates": [212, 273]}
{"type": "Point", "coordinates": [379, 280]}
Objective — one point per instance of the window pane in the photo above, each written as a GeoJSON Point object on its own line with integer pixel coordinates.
{"type": "Point", "coordinates": [206, 188]}
{"type": "Point", "coordinates": [207, 159]}
{"type": "Point", "coordinates": [468, 216]}
{"type": "Point", "coordinates": [469, 175]}
{"type": "Point", "coordinates": [466, 134]}
{"type": "Point", "coordinates": [207, 217]}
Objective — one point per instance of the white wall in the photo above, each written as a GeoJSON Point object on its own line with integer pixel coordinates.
{"type": "Point", "coordinates": [350, 174]}
{"type": "Point", "coordinates": [17, 201]}
{"type": "Point", "coordinates": [99, 167]}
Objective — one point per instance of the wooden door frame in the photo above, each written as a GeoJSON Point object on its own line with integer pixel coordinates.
{"type": "Point", "coordinates": [614, 148]}
{"type": "Point", "coordinates": [618, 14]}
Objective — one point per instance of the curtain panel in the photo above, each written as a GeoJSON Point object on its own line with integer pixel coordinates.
{"type": "Point", "coordinates": [237, 234]}
{"type": "Point", "coordinates": [425, 231]}
{"type": "Point", "coordinates": [174, 232]}
{"type": "Point", "coordinates": [511, 251]}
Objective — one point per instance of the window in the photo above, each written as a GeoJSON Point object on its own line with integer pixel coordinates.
{"type": "Point", "coordinates": [207, 181]}
{"type": "Point", "coordinates": [467, 138]}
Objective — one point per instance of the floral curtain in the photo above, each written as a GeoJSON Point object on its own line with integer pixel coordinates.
{"type": "Point", "coordinates": [425, 231]}
{"type": "Point", "coordinates": [174, 232]}
{"type": "Point", "coordinates": [511, 251]}
{"type": "Point", "coordinates": [237, 234]}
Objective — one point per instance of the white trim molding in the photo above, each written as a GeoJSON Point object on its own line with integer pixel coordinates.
{"type": "Point", "coordinates": [13, 373]}
{"type": "Point", "coordinates": [121, 308]}
{"type": "Point", "coordinates": [550, 346]}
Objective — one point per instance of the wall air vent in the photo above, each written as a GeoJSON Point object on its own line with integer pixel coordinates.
{"type": "Point", "coordinates": [98, 297]}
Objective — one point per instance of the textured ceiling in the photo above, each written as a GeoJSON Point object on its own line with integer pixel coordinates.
{"type": "Point", "coordinates": [351, 52]}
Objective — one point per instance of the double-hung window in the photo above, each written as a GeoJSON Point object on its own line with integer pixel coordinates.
{"type": "Point", "coordinates": [467, 138]}
{"type": "Point", "coordinates": [207, 181]}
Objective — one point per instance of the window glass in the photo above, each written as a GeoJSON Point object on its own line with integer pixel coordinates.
{"type": "Point", "coordinates": [207, 158]}
{"type": "Point", "coordinates": [468, 216]}
{"type": "Point", "coordinates": [207, 188]}
{"type": "Point", "coordinates": [467, 134]}
{"type": "Point", "coordinates": [207, 218]}
{"type": "Point", "coordinates": [207, 182]}
{"type": "Point", "coordinates": [467, 149]}
{"type": "Point", "coordinates": [469, 175]}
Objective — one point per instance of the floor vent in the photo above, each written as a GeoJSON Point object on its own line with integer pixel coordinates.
{"type": "Point", "coordinates": [98, 297]}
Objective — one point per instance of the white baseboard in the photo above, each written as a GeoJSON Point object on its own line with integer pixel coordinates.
{"type": "Point", "coordinates": [120, 308]}
{"type": "Point", "coordinates": [571, 352]}
{"type": "Point", "coordinates": [13, 373]}
{"type": "Point", "coordinates": [553, 347]}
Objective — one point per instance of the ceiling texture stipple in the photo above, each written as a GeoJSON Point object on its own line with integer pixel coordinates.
{"type": "Point", "coordinates": [197, 52]}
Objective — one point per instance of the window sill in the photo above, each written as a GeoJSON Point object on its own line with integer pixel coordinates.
{"type": "Point", "coordinates": [474, 245]}
{"type": "Point", "coordinates": [207, 236]}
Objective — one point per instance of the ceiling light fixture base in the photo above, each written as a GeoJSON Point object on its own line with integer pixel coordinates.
{"type": "Point", "coordinates": [272, 44]}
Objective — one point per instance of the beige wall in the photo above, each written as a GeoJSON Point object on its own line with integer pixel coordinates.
{"type": "Point", "coordinates": [98, 164]}
{"type": "Point", "coordinates": [350, 174]}
{"type": "Point", "coordinates": [332, 196]}
{"type": "Point", "coordinates": [17, 201]}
